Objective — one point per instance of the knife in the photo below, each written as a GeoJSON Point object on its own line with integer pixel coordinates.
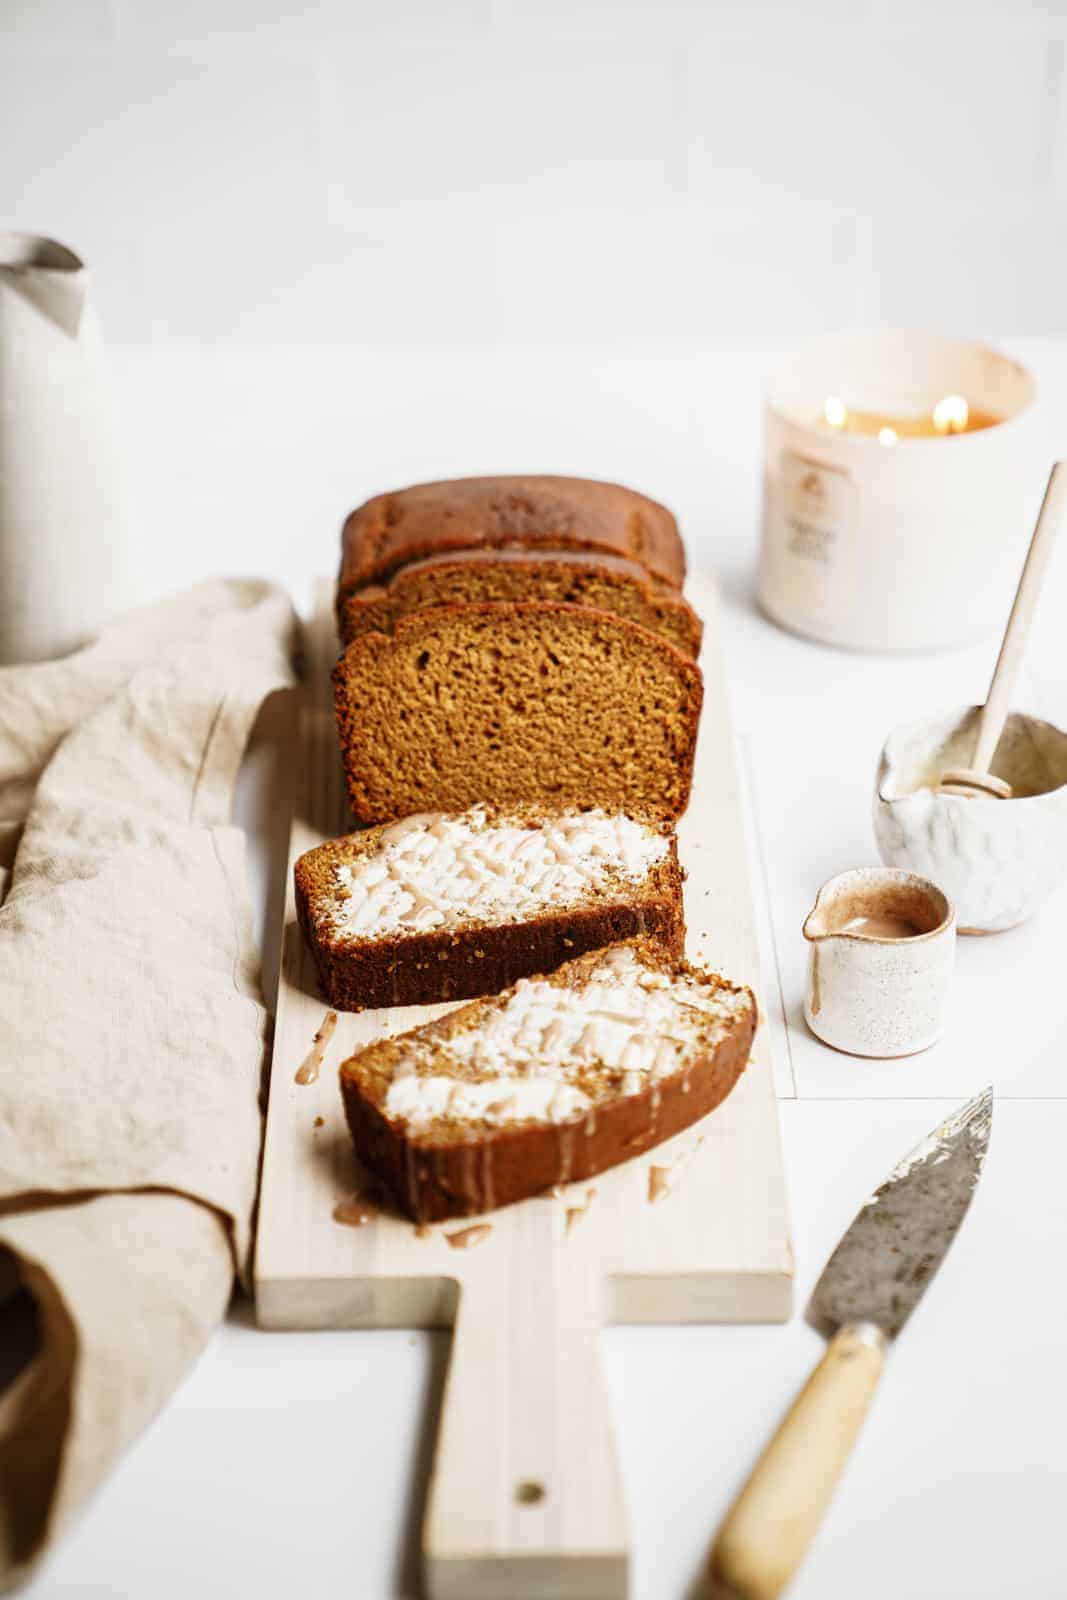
{"type": "Point", "coordinates": [868, 1289]}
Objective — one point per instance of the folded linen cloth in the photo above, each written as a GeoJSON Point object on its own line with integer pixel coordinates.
{"type": "Point", "coordinates": [132, 1032]}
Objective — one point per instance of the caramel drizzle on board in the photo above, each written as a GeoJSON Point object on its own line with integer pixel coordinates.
{"type": "Point", "coordinates": [356, 1211]}
{"type": "Point", "coordinates": [576, 1213]}
{"type": "Point", "coordinates": [468, 1238]}
{"type": "Point", "coordinates": [308, 1070]}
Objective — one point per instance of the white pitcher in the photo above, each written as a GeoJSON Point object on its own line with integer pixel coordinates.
{"type": "Point", "coordinates": [883, 944]}
{"type": "Point", "coordinates": [64, 548]}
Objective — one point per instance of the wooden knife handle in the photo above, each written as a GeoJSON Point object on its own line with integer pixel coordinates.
{"type": "Point", "coordinates": [777, 1514]}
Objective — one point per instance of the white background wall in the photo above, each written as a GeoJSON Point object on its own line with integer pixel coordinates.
{"type": "Point", "coordinates": [248, 172]}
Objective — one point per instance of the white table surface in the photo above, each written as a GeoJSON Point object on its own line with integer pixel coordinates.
{"type": "Point", "coordinates": [297, 1462]}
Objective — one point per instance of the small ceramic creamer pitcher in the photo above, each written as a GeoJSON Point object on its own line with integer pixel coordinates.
{"type": "Point", "coordinates": [883, 944]}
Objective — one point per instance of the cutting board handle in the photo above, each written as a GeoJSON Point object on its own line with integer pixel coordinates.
{"type": "Point", "coordinates": [525, 1500]}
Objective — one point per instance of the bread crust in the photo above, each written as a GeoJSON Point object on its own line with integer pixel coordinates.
{"type": "Point", "coordinates": [432, 1182]}
{"type": "Point", "coordinates": [611, 583]}
{"type": "Point", "coordinates": [492, 512]}
{"type": "Point", "coordinates": [488, 748]}
{"type": "Point", "coordinates": [466, 962]}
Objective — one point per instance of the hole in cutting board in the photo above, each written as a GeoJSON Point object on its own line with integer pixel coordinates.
{"type": "Point", "coordinates": [529, 1493]}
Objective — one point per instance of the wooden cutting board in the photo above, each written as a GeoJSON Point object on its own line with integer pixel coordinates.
{"type": "Point", "coordinates": [525, 1499]}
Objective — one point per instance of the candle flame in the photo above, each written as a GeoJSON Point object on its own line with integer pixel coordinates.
{"type": "Point", "coordinates": [887, 436]}
{"type": "Point", "coordinates": [951, 414]}
{"type": "Point", "coordinates": [835, 411]}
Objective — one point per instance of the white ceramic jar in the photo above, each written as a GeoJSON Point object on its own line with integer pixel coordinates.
{"type": "Point", "coordinates": [873, 546]}
{"type": "Point", "coordinates": [998, 860]}
{"type": "Point", "coordinates": [871, 991]}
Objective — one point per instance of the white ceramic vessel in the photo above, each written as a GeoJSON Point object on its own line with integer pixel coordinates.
{"type": "Point", "coordinates": [870, 546]}
{"type": "Point", "coordinates": [64, 546]}
{"type": "Point", "coordinates": [868, 993]}
{"type": "Point", "coordinates": [997, 860]}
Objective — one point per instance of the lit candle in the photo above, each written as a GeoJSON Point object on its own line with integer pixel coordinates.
{"type": "Point", "coordinates": [951, 414]}
{"type": "Point", "coordinates": [877, 533]}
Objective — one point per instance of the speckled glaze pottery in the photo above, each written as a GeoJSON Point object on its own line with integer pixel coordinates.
{"type": "Point", "coordinates": [997, 860]}
{"type": "Point", "coordinates": [873, 995]}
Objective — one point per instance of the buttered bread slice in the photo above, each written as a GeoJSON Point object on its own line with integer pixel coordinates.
{"type": "Point", "coordinates": [552, 1081]}
{"type": "Point", "coordinates": [445, 907]}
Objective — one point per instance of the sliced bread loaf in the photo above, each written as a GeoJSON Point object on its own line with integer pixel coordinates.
{"type": "Point", "coordinates": [440, 907]}
{"type": "Point", "coordinates": [578, 577]}
{"type": "Point", "coordinates": [555, 1080]}
{"type": "Point", "coordinates": [493, 513]}
{"type": "Point", "coordinates": [537, 703]}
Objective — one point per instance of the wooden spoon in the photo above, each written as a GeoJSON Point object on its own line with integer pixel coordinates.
{"type": "Point", "coordinates": [977, 780]}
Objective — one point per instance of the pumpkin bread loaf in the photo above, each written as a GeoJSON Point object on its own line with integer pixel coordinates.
{"type": "Point", "coordinates": [611, 583]}
{"type": "Point", "coordinates": [540, 703]}
{"type": "Point", "coordinates": [511, 512]}
{"type": "Point", "coordinates": [440, 907]}
{"type": "Point", "coordinates": [552, 1081]}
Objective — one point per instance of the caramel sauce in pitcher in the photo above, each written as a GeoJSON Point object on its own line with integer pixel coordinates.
{"type": "Point", "coordinates": [882, 925]}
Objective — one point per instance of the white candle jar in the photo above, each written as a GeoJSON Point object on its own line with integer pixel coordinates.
{"type": "Point", "coordinates": [913, 544]}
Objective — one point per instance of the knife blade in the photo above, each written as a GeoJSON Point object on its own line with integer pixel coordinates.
{"type": "Point", "coordinates": [882, 1266]}
{"type": "Point", "coordinates": [900, 1236]}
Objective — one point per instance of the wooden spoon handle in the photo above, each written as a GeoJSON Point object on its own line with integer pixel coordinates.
{"type": "Point", "coordinates": [998, 701]}
{"type": "Point", "coordinates": [777, 1514]}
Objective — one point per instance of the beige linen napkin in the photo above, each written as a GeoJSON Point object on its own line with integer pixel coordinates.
{"type": "Point", "coordinates": [132, 1031]}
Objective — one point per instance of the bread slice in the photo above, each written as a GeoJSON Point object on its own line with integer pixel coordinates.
{"type": "Point", "coordinates": [538, 703]}
{"type": "Point", "coordinates": [577, 577]}
{"type": "Point", "coordinates": [552, 1081]}
{"type": "Point", "coordinates": [495, 513]}
{"type": "Point", "coordinates": [444, 907]}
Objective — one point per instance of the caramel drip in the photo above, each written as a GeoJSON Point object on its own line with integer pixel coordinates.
{"type": "Point", "coordinates": [469, 1184]}
{"type": "Point", "coordinates": [565, 1139]}
{"type": "Point", "coordinates": [816, 994]}
{"type": "Point", "coordinates": [357, 1211]}
{"type": "Point", "coordinates": [487, 1176]}
{"type": "Point", "coordinates": [308, 1071]}
{"type": "Point", "coordinates": [467, 1238]}
{"type": "Point", "coordinates": [659, 1183]}
{"type": "Point", "coordinates": [576, 1213]}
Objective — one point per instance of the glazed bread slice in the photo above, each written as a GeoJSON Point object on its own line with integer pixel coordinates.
{"type": "Point", "coordinates": [577, 577]}
{"type": "Point", "coordinates": [560, 706]}
{"type": "Point", "coordinates": [552, 1081]}
{"type": "Point", "coordinates": [440, 907]}
{"type": "Point", "coordinates": [495, 513]}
